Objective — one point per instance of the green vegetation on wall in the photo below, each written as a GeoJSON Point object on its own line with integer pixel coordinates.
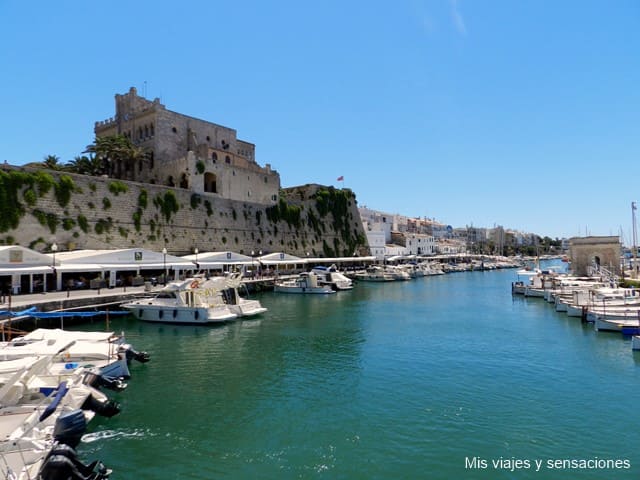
{"type": "Point", "coordinates": [167, 204]}
{"type": "Point", "coordinates": [46, 219]}
{"type": "Point", "coordinates": [284, 211]}
{"type": "Point", "coordinates": [142, 199]}
{"type": "Point", "coordinates": [83, 223]}
{"type": "Point", "coordinates": [195, 200]}
{"type": "Point", "coordinates": [63, 189]}
{"type": "Point", "coordinates": [116, 187]}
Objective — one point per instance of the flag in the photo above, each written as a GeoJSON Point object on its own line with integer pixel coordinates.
{"type": "Point", "coordinates": [341, 178]}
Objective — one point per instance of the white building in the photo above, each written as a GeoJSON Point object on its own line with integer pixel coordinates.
{"type": "Point", "coordinates": [376, 241]}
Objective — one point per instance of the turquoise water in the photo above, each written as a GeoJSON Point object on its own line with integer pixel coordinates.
{"type": "Point", "coordinates": [394, 380]}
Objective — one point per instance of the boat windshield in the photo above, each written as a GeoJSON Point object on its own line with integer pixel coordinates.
{"type": "Point", "coordinates": [166, 295]}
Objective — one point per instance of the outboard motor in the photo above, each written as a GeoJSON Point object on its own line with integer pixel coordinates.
{"type": "Point", "coordinates": [132, 354]}
{"type": "Point", "coordinates": [62, 462]}
{"type": "Point", "coordinates": [107, 408]}
{"type": "Point", "coordinates": [96, 380]}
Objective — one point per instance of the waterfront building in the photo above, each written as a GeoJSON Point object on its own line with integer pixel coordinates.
{"type": "Point", "coordinates": [376, 242]}
{"type": "Point", "coordinates": [450, 246]}
{"type": "Point", "coordinates": [376, 221]}
{"type": "Point", "coordinates": [393, 250]}
{"type": "Point", "coordinates": [187, 152]}
{"type": "Point", "coordinates": [415, 243]}
{"type": "Point", "coordinates": [592, 254]}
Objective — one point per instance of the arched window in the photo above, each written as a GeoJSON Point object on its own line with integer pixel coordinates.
{"type": "Point", "coordinates": [146, 131]}
{"type": "Point", "coordinates": [184, 183]}
{"type": "Point", "coordinates": [151, 130]}
{"type": "Point", "coordinates": [210, 183]}
{"type": "Point", "coordinates": [227, 159]}
{"type": "Point", "coordinates": [214, 157]}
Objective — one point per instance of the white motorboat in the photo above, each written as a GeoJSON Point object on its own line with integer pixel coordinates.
{"type": "Point", "coordinates": [242, 307]}
{"type": "Point", "coordinates": [306, 282]}
{"type": "Point", "coordinates": [191, 301]}
{"type": "Point", "coordinates": [332, 277]}
{"type": "Point", "coordinates": [374, 273]}
{"type": "Point", "coordinates": [397, 272]}
{"type": "Point", "coordinates": [103, 351]}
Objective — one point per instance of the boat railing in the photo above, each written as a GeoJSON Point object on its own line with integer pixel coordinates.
{"type": "Point", "coordinates": [606, 274]}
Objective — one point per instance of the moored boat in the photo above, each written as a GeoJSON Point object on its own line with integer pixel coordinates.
{"type": "Point", "coordinates": [306, 282]}
{"type": "Point", "coordinates": [332, 277]}
{"type": "Point", "coordinates": [190, 301]}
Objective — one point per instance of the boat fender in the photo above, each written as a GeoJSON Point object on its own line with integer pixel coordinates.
{"type": "Point", "coordinates": [108, 408]}
{"type": "Point", "coordinates": [196, 314]}
{"type": "Point", "coordinates": [175, 313]}
{"type": "Point", "coordinates": [160, 314]}
{"type": "Point", "coordinates": [140, 313]}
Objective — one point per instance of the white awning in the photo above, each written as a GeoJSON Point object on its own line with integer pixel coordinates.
{"type": "Point", "coordinates": [21, 270]}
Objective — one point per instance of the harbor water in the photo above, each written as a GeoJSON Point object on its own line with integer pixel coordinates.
{"type": "Point", "coordinates": [440, 377]}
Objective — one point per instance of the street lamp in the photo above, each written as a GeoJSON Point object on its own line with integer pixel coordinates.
{"type": "Point", "coordinates": [54, 249]}
{"type": "Point", "coordinates": [164, 264]}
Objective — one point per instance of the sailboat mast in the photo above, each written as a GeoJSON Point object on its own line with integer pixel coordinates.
{"type": "Point", "coordinates": [635, 239]}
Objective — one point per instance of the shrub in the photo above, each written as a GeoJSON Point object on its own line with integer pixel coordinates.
{"type": "Point", "coordinates": [117, 187]}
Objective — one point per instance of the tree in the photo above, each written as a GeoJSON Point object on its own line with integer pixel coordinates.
{"type": "Point", "coordinates": [85, 165]}
{"type": "Point", "coordinates": [114, 152]}
{"type": "Point", "coordinates": [52, 162]}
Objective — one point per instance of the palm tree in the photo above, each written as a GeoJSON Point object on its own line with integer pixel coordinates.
{"type": "Point", "coordinates": [115, 151]}
{"type": "Point", "coordinates": [52, 162]}
{"type": "Point", "coordinates": [85, 165]}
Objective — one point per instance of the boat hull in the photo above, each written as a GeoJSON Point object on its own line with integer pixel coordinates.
{"type": "Point", "coordinates": [185, 315]}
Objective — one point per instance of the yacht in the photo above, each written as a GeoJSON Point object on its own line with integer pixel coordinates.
{"type": "Point", "coordinates": [375, 273]}
{"type": "Point", "coordinates": [332, 277]}
{"type": "Point", "coordinates": [191, 301]}
{"type": "Point", "coordinates": [306, 282]}
{"type": "Point", "coordinates": [241, 306]}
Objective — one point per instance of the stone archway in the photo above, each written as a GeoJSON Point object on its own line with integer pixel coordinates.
{"type": "Point", "coordinates": [210, 183]}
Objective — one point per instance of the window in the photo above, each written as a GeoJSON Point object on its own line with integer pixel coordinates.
{"type": "Point", "coordinates": [227, 159]}
{"type": "Point", "coordinates": [174, 130]}
{"type": "Point", "coordinates": [214, 157]}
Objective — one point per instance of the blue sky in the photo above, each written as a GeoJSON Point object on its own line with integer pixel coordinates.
{"type": "Point", "coordinates": [524, 114]}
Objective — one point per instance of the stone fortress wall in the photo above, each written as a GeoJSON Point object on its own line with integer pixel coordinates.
{"type": "Point", "coordinates": [84, 212]}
